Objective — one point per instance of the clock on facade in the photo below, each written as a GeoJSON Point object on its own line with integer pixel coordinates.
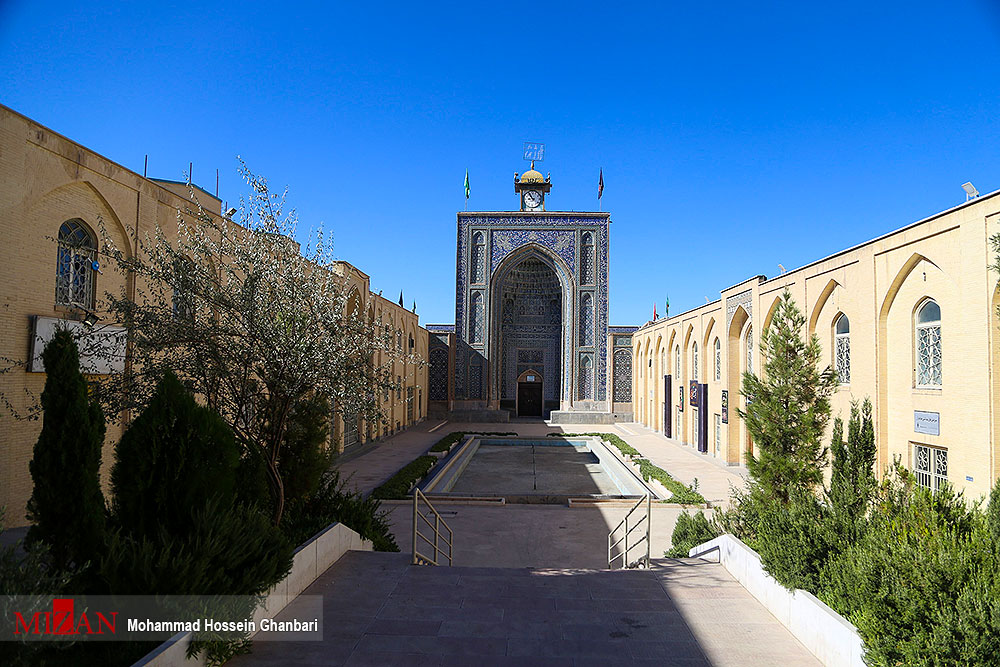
{"type": "Point", "coordinates": [532, 199]}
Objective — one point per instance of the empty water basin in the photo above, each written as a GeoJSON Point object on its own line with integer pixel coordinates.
{"type": "Point", "coordinates": [535, 470]}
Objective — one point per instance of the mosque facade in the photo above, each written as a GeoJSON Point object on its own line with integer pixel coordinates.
{"type": "Point", "coordinates": [531, 336]}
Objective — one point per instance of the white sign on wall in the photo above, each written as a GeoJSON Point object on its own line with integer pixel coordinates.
{"type": "Point", "coordinates": [928, 423]}
{"type": "Point", "coordinates": [102, 348]}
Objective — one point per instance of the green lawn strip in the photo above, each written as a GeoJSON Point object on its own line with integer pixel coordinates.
{"type": "Point", "coordinates": [398, 486]}
{"type": "Point", "coordinates": [682, 493]}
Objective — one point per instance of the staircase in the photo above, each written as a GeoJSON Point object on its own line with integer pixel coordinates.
{"type": "Point", "coordinates": [381, 610]}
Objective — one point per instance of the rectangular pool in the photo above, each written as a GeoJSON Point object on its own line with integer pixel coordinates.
{"type": "Point", "coordinates": [546, 470]}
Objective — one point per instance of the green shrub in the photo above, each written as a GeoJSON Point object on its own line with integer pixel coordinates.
{"type": "Point", "coordinates": [305, 455]}
{"type": "Point", "coordinates": [398, 486]}
{"type": "Point", "coordinates": [333, 502]}
{"type": "Point", "coordinates": [690, 531]}
{"type": "Point", "coordinates": [66, 506]}
{"type": "Point", "coordinates": [795, 540]}
{"type": "Point", "coordinates": [175, 457]}
{"type": "Point", "coordinates": [681, 494]}
{"type": "Point", "coordinates": [921, 586]}
{"type": "Point", "coordinates": [27, 573]}
{"type": "Point", "coordinates": [228, 550]}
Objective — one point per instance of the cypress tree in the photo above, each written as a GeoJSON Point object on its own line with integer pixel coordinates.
{"type": "Point", "coordinates": [861, 454]}
{"type": "Point", "coordinates": [171, 461]}
{"type": "Point", "coordinates": [788, 407]}
{"type": "Point", "coordinates": [67, 507]}
{"type": "Point", "coordinates": [839, 463]}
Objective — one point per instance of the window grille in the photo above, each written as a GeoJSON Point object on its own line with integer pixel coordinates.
{"type": "Point", "coordinates": [677, 363]}
{"type": "Point", "coordinates": [350, 430]}
{"type": "Point", "coordinates": [930, 466]}
{"type": "Point", "coordinates": [77, 251]}
{"type": "Point", "coordinates": [929, 345]}
{"type": "Point", "coordinates": [694, 365]}
{"type": "Point", "coordinates": [750, 349]}
{"type": "Point", "coordinates": [718, 360]}
{"type": "Point", "coordinates": [842, 349]}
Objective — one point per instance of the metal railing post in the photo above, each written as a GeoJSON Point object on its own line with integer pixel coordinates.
{"type": "Point", "coordinates": [625, 553]}
{"type": "Point", "coordinates": [437, 534]}
{"type": "Point", "coordinates": [415, 496]}
{"type": "Point", "coordinates": [649, 521]}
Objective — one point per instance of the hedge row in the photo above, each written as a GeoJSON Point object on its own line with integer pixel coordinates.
{"type": "Point", "coordinates": [399, 485]}
{"type": "Point", "coordinates": [682, 494]}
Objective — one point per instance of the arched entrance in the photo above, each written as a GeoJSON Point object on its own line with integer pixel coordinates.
{"type": "Point", "coordinates": [529, 394]}
{"type": "Point", "coordinates": [527, 320]}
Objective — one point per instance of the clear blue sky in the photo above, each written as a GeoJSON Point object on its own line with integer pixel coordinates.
{"type": "Point", "coordinates": [733, 136]}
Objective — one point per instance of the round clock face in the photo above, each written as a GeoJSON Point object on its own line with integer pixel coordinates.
{"type": "Point", "coordinates": [532, 199]}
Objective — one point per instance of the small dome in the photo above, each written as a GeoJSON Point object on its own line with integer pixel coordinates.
{"type": "Point", "coordinates": [532, 176]}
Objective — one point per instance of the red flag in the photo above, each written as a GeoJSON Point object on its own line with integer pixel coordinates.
{"type": "Point", "coordinates": [600, 184]}
{"type": "Point", "coordinates": [654, 311]}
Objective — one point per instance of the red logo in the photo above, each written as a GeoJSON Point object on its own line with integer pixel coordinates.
{"type": "Point", "coordinates": [62, 621]}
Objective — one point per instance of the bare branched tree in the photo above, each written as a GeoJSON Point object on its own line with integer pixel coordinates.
{"type": "Point", "coordinates": [249, 322]}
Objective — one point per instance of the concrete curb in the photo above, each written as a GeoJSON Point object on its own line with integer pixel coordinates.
{"type": "Point", "coordinates": [824, 632]}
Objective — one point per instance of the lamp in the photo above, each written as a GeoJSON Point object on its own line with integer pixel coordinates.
{"type": "Point", "coordinates": [90, 319]}
{"type": "Point", "coordinates": [970, 191]}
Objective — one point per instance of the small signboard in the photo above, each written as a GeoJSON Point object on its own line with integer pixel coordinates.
{"type": "Point", "coordinates": [530, 378]}
{"type": "Point", "coordinates": [534, 151]}
{"type": "Point", "coordinates": [725, 406]}
{"type": "Point", "coordinates": [694, 392]}
{"type": "Point", "coordinates": [928, 423]}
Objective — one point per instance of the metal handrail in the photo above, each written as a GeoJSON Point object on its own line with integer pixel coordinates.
{"type": "Point", "coordinates": [419, 558]}
{"type": "Point", "coordinates": [626, 547]}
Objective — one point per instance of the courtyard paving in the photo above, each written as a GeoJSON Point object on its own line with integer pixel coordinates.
{"type": "Point", "coordinates": [530, 584]}
{"type": "Point", "coordinates": [379, 610]}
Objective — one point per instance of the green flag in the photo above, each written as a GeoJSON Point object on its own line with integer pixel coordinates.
{"type": "Point", "coordinates": [466, 183]}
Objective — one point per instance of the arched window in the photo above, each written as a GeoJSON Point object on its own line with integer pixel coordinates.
{"type": "Point", "coordinates": [694, 362]}
{"type": "Point", "coordinates": [663, 361]}
{"type": "Point", "coordinates": [749, 344]}
{"type": "Point", "coordinates": [928, 330]}
{"type": "Point", "coordinates": [74, 265]}
{"type": "Point", "coordinates": [587, 259]}
{"type": "Point", "coordinates": [718, 360]}
{"type": "Point", "coordinates": [842, 349]}
{"type": "Point", "coordinates": [478, 258]}
{"type": "Point", "coordinates": [477, 319]}
{"type": "Point", "coordinates": [677, 363]}
{"type": "Point", "coordinates": [585, 383]}
{"type": "Point", "coordinates": [587, 320]}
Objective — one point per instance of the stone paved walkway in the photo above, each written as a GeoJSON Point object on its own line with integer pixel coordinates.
{"type": "Point", "coordinates": [378, 610]}
{"type": "Point", "coordinates": [684, 463]}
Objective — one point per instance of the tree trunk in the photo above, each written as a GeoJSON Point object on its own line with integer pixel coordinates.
{"type": "Point", "coordinates": [278, 488]}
